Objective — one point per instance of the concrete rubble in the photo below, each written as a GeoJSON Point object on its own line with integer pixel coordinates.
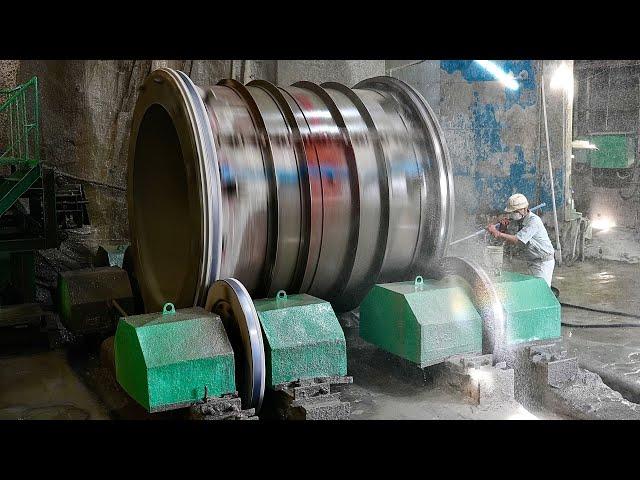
{"type": "Point", "coordinates": [547, 377]}
{"type": "Point", "coordinates": [309, 399]}
{"type": "Point", "coordinates": [227, 407]}
{"type": "Point", "coordinates": [477, 378]}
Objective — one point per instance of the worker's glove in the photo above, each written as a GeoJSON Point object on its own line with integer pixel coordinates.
{"type": "Point", "coordinates": [493, 231]}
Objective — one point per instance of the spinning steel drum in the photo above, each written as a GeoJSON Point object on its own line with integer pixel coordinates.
{"type": "Point", "coordinates": [310, 188]}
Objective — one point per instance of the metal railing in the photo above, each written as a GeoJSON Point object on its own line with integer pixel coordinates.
{"type": "Point", "coordinates": [20, 119]}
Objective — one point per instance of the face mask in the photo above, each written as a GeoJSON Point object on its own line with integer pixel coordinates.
{"type": "Point", "coordinates": [516, 216]}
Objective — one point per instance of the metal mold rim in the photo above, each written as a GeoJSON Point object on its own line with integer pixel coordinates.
{"type": "Point", "coordinates": [485, 299]}
{"type": "Point", "coordinates": [444, 171]}
{"type": "Point", "coordinates": [303, 171]}
{"type": "Point", "coordinates": [175, 92]}
{"type": "Point", "coordinates": [350, 158]}
{"type": "Point", "coordinates": [267, 157]}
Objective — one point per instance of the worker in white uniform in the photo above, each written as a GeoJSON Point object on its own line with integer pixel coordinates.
{"type": "Point", "coordinates": [539, 251]}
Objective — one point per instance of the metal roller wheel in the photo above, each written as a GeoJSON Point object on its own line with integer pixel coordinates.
{"type": "Point", "coordinates": [230, 300]}
{"type": "Point", "coordinates": [485, 299]}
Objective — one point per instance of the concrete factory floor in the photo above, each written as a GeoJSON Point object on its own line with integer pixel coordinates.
{"type": "Point", "coordinates": [387, 388]}
{"type": "Point", "coordinates": [43, 385]}
{"type": "Point", "coordinates": [67, 384]}
{"type": "Point", "coordinates": [613, 353]}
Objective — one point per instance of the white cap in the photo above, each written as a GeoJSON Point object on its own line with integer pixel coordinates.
{"type": "Point", "coordinates": [516, 202]}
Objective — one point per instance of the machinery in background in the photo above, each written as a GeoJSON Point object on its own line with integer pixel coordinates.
{"type": "Point", "coordinates": [120, 255]}
{"type": "Point", "coordinates": [610, 160]}
{"type": "Point", "coordinates": [27, 211]}
{"type": "Point", "coordinates": [35, 210]}
{"type": "Point", "coordinates": [71, 206]}
{"type": "Point", "coordinates": [90, 301]}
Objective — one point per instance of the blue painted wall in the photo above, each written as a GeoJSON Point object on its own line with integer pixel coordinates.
{"type": "Point", "coordinates": [493, 134]}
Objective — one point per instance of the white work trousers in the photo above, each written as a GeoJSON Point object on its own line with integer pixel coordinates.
{"type": "Point", "coordinates": [542, 269]}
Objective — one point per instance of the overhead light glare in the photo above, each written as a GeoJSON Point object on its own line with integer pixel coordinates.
{"type": "Point", "coordinates": [507, 79]}
{"type": "Point", "coordinates": [562, 78]}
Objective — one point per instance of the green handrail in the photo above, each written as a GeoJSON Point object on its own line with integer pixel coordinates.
{"type": "Point", "coordinates": [20, 116]}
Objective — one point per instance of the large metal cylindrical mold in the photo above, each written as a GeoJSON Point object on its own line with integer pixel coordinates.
{"type": "Point", "coordinates": [308, 188]}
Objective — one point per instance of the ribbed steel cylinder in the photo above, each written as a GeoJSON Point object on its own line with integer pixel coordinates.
{"type": "Point", "coordinates": [309, 188]}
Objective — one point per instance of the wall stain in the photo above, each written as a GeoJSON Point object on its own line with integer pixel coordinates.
{"type": "Point", "coordinates": [497, 165]}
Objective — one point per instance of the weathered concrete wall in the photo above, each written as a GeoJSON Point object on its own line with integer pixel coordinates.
{"type": "Point", "coordinates": [8, 79]}
{"type": "Point", "coordinates": [86, 109]}
{"type": "Point", "coordinates": [495, 135]}
{"type": "Point", "coordinates": [348, 72]}
{"type": "Point", "coordinates": [8, 73]}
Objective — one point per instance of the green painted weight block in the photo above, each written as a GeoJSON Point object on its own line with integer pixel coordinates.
{"type": "Point", "coordinates": [427, 323]}
{"type": "Point", "coordinates": [423, 323]}
{"type": "Point", "coordinates": [164, 360]}
{"type": "Point", "coordinates": [302, 338]}
{"type": "Point", "coordinates": [532, 310]}
{"type": "Point", "coordinates": [614, 151]}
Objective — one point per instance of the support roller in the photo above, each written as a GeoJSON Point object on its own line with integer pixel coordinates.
{"type": "Point", "coordinates": [277, 340]}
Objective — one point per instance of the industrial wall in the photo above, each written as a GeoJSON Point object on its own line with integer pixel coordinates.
{"type": "Point", "coordinates": [607, 101]}
{"type": "Point", "coordinates": [8, 74]}
{"type": "Point", "coordinates": [495, 135]}
{"type": "Point", "coordinates": [348, 72]}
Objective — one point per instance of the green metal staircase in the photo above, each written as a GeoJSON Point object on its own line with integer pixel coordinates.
{"type": "Point", "coordinates": [19, 141]}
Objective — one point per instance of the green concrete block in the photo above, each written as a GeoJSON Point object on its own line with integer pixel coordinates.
{"type": "Point", "coordinates": [532, 310]}
{"type": "Point", "coordinates": [422, 323]}
{"type": "Point", "coordinates": [427, 323]}
{"type": "Point", "coordinates": [614, 151]}
{"type": "Point", "coordinates": [302, 339]}
{"type": "Point", "coordinates": [164, 361]}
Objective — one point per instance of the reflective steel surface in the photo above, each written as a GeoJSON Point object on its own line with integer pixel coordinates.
{"type": "Point", "coordinates": [314, 188]}
{"type": "Point", "coordinates": [231, 301]}
{"type": "Point", "coordinates": [486, 299]}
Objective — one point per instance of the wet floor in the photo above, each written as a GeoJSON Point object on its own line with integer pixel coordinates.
{"type": "Point", "coordinates": [602, 283]}
{"type": "Point", "coordinates": [605, 285]}
{"type": "Point", "coordinates": [43, 385]}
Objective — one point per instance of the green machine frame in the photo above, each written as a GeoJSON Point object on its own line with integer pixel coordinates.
{"type": "Point", "coordinates": [23, 176]}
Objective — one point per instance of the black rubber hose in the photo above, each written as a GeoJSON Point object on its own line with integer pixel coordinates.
{"type": "Point", "coordinates": [634, 182]}
{"type": "Point", "coordinates": [601, 325]}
